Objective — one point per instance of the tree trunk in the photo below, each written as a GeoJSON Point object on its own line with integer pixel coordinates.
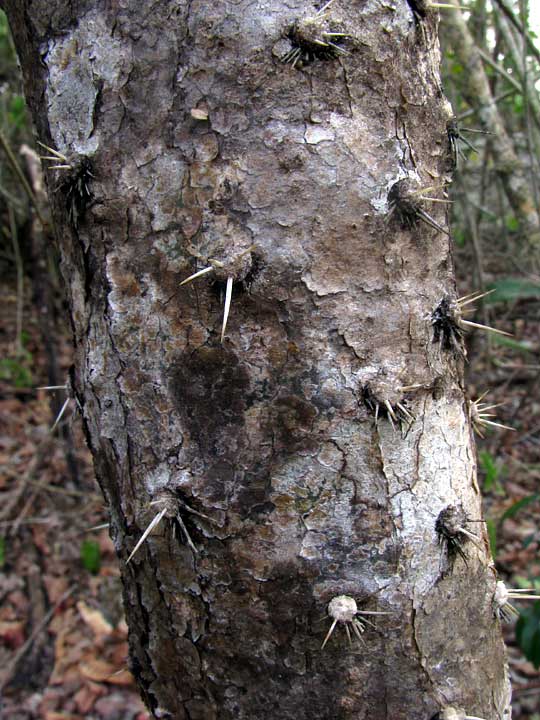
{"type": "Point", "coordinates": [276, 486]}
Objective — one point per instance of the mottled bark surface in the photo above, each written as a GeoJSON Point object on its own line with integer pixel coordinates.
{"type": "Point", "coordinates": [268, 434]}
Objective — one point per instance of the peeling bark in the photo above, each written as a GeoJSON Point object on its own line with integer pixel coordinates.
{"type": "Point", "coordinates": [288, 488]}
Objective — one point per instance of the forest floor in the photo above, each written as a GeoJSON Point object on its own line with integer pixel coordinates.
{"type": "Point", "coordinates": [63, 639]}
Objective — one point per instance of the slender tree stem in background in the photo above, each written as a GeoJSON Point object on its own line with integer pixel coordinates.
{"type": "Point", "coordinates": [477, 92]}
{"type": "Point", "coordinates": [20, 280]}
{"type": "Point", "coordinates": [507, 10]}
{"type": "Point", "coordinates": [500, 70]}
{"type": "Point", "coordinates": [19, 173]}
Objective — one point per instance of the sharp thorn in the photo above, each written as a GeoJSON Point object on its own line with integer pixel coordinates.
{"type": "Point", "coordinates": [196, 512]}
{"type": "Point", "coordinates": [483, 408]}
{"type": "Point", "coordinates": [355, 623]}
{"type": "Point", "coordinates": [499, 425]}
{"type": "Point", "coordinates": [365, 620]}
{"type": "Point", "coordinates": [325, 7]}
{"type": "Point", "coordinates": [227, 307]}
{"type": "Point", "coordinates": [390, 409]}
{"type": "Point", "coordinates": [482, 396]}
{"type": "Point", "coordinates": [329, 633]}
{"type": "Point", "coordinates": [422, 215]}
{"type": "Point", "coordinates": [448, 6]}
{"type": "Point", "coordinates": [515, 596]}
{"type": "Point", "coordinates": [52, 387]}
{"type": "Point", "coordinates": [483, 327]}
{"type": "Point", "coordinates": [469, 295]}
{"type": "Point", "coordinates": [97, 527]}
{"type": "Point", "coordinates": [60, 414]}
{"type": "Point", "coordinates": [198, 274]}
{"type": "Point", "coordinates": [185, 531]}
{"type": "Point", "coordinates": [147, 532]}
{"type": "Point", "coordinates": [468, 144]}
{"type": "Point", "coordinates": [471, 537]}
{"type": "Point", "coordinates": [475, 130]}
{"type": "Point", "coordinates": [338, 49]}
{"type": "Point", "coordinates": [405, 411]}
{"type": "Point", "coordinates": [348, 633]}
{"type": "Point", "coordinates": [473, 297]}
{"type": "Point", "coordinates": [53, 151]}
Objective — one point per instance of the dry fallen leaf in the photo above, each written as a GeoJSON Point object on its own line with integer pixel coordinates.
{"type": "Point", "coordinates": [103, 671]}
{"type": "Point", "coordinates": [97, 670]}
{"type": "Point", "coordinates": [87, 695]}
{"type": "Point", "coordinates": [94, 619]}
{"type": "Point", "coordinates": [12, 633]}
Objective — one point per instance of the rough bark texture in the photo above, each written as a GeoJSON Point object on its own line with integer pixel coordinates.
{"type": "Point", "coordinates": [268, 433]}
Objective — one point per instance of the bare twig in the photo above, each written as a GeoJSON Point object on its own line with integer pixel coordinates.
{"type": "Point", "coordinates": [507, 10]}
{"type": "Point", "coordinates": [9, 670]}
{"type": "Point", "coordinates": [20, 280]}
{"type": "Point", "coordinates": [17, 170]}
{"type": "Point", "coordinates": [500, 70]}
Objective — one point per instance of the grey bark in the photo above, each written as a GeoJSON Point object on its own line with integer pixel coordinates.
{"type": "Point", "coordinates": [267, 434]}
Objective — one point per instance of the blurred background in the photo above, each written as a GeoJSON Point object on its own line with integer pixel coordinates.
{"type": "Point", "coordinates": [63, 640]}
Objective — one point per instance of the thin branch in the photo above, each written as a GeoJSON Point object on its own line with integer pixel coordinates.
{"type": "Point", "coordinates": [20, 280]}
{"type": "Point", "coordinates": [17, 170]}
{"type": "Point", "coordinates": [519, 27]}
{"type": "Point", "coordinates": [8, 672]}
{"type": "Point", "coordinates": [500, 70]}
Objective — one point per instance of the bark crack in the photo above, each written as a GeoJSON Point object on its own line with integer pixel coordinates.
{"type": "Point", "coordinates": [421, 658]}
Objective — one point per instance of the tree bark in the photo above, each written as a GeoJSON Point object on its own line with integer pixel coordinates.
{"type": "Point", "coordinates": [207, 151]}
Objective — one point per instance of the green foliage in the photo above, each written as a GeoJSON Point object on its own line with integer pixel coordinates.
{"type": "Point", "coordinates": [511, 344]}
{"type": "Point", "coordinates": [16, 113]}
{"type": "Point", "coordinates": [519, 505]}
{"type": "Point", "coordinates": [2, 551]}
{"type": "Point", "coordinates": [4, 31]}
{"type": "Point", "coordinates": [91, 556]}
{"type": "Point", "coordinates": [491, 470]}
{"type": "Point", "coordinates": [512, 223]}
{"type": "Point", "coordinates": [492, 535]}
{"type": "Point", "coordinates": [510, 289]}
{"type": "Point", "coordinates": [16, 371]}
{"type": "Point", "coordinates": [459, 237]}
{"type": "Point", "coordinates": [517, 104]}
{"type": "Point", "coordinates": [528, 633]}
